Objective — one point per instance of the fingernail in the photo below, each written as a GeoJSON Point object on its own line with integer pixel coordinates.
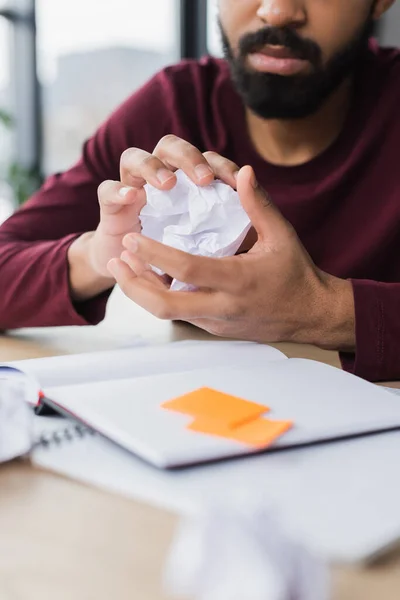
{"type": "Point", "coordinates": [163, 175]}
{"type": "Point", "coordinates": [130, 243]}
{"type": "Point", "coordinates": [203, 171]}
{"type": "Point", "coordinates": [112, 267]}
{"type": "Point", "coordinates": [125, 256]}
{"type": "Point", "coordinates": [124, 191]}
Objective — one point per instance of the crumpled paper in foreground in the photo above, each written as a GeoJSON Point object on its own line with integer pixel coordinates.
{"type": "Point", "coordinates": [206, 221]}
{"type": "Point", "coordinates": [16, 420]}
{"type": "Point", "coordinates": [227, 554]}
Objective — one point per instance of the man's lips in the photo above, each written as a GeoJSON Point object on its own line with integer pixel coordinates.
{"type": "Point", "coordinates": [276, 51]}
{"type": "Point", "coordinates": [278, 60]}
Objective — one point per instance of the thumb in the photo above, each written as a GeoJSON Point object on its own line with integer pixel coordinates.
{"type": "Point", "coordinates": [266, 219]}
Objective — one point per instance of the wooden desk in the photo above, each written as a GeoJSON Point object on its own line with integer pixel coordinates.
{"type": "Point", "coordinates": [60, 540]}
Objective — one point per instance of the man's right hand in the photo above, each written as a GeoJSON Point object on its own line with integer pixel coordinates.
{"type": "Point", "coordinates": [120, 207]}
{"type": "Point", "coordinates": [121, 204]}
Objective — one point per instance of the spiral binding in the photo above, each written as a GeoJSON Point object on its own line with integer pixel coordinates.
{"type": "Point", "coordinates": [60, 436]}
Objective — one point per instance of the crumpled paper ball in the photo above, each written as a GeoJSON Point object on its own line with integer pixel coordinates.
{"type": "Point", "coordinates": [205, 221]}
{"type": "Point", "coordinates": [228, 554]}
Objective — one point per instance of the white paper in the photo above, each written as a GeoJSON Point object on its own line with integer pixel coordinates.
{"type": "Point", "coordinates": [26, 383]}
{"type": "Point", "coordinates": [16, 419]}
{"type": "Point", "coordinates": [205, 221]}
{"type": "Point", "coordinates": [341, 500]}
{"type": "Point", "coordinates": [128, 410]}
{"type": "Point", "coordinates": [393, 390]}
{"type": "Point", "coordinates": [125, 363]}
{"type": "Point", "coordinates": [229, 553]}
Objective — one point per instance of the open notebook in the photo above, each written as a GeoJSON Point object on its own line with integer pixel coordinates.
{"type": "Point", "coordinates": [137, 361]}
{"type": "Point", "coordinates": [121, 395]}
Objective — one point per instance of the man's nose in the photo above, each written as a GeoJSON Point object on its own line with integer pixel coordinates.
{"type": "Point", "coordinates": [282, 13]}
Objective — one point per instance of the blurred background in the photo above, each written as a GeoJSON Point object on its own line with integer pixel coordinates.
{"type": "Point", "coordinates": [65, 65]}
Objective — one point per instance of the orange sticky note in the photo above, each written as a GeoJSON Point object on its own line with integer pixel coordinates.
{"type": "Point", "coordinates": [258, 433]}
{"type": "Point", "coordinates": [211, 405]}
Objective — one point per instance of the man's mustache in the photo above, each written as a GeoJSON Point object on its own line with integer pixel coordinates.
{"type": "Point", "coordinates": [283, 36]}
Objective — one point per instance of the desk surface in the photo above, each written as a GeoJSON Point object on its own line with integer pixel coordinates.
{"type": "Point", "coordinates": [62, 540]}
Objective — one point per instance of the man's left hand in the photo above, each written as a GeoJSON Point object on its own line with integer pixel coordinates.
{"type": "Point", "coordinates": [273, 293]}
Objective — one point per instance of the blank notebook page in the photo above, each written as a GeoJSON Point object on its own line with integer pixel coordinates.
{"type": "Point", "coordinates": [145, 360]}
{"type": "Point", "coordinates": [323, 403]}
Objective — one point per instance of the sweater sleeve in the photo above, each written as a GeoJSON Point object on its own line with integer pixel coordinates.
{"type": "Point", "coordinates": [34, 277]}
{"type": "Point", "coordinates": [377, 308]}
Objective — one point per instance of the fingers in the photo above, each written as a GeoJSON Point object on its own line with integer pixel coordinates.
{"type": "Point", "coordinates": [161, 302]}
{"type": "Point", "coordinates": [218, 274]}
{"type": "Point", "coordinates": [138, 167]}
{"type": "Point", "coordinates": [176, 153]}
{"type": "Point", "coordinates": [113, 195]}
{"type": "Point", "coordinates": [224, 169]}
{"type": "Point", "coordinates": [267, 220]}
{"type": "Point", "coordinates": [141, 269]}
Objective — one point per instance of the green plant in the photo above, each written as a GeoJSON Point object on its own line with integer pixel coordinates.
{"type": "Point", "coordinates": [23, 182]}
{"type": "Point", "coordinates": [6, 119]}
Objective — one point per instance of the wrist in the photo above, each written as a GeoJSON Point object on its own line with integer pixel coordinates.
{"type": "Point", "coordinates": [331, 316]}
{"type": "Point", "coordinates": [85, 280]}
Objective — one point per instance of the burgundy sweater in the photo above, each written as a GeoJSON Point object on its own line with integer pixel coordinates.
{"type": "Point", "coordinates": [344, 204]}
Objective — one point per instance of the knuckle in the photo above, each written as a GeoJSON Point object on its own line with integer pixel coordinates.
{"type": "Point", "coordinates": [232, 308]}
{"type": "Point", "coordinates": [211, 155]}
{"type": "Point", "coordinates": [147, 161]}
{"type": "Point", "coordinates": [105, 192]}
{"type": "Point", "coordinates": [128, 155]}
{"type": "Point", "coordinates": [104, 187]}
{"type": "Point", "coordinates": [176, 148]}
{"type": "Point", "coordinates": [238, 311]}
{"type": "Point", "coordinates": [243, 280]}
{"type": "Point", "coordinates": [188, 271]}
{"type": "Point", "coordinates": [162, 311]}
{"type": "Point", "coordinates": [237, 285]}
{"type": "Point", "coordinates": [167, 140]}
{"type": "Point", "coordinates": [237, 289]}
{"type": "Point", "coordinates": [231, 313]}
{"type": "Point", "coordinates": [218, 328]}
{"type": "Point", "coordinates": [221, 161]}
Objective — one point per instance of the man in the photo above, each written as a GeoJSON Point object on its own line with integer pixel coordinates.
{"type": "Point", "coordinates": [312, 106]}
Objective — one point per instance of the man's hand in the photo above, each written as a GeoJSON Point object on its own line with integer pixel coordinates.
{"type": "Point", "coordinates": [121, 203]}
{"type": "Point", "coordinates": [274, 293]}
{"type": "Point", "coordinates": [88, 256]}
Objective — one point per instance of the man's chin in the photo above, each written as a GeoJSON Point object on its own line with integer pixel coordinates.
{"type": "Point", "coordinates": [283, 106]}
{"type": "Point", "coordinates": [274, 112]}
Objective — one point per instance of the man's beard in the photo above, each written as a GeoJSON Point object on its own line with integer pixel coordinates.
{"type": "Point", "coordinates": [272, 96]}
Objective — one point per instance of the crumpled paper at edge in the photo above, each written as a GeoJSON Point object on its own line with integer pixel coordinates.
{"type": "Point", "coordinates": [16, 421]}
{"type": "Point", "coordinates": [205, 221]}
{"type": "Point", "coordinates": [226, 554]}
